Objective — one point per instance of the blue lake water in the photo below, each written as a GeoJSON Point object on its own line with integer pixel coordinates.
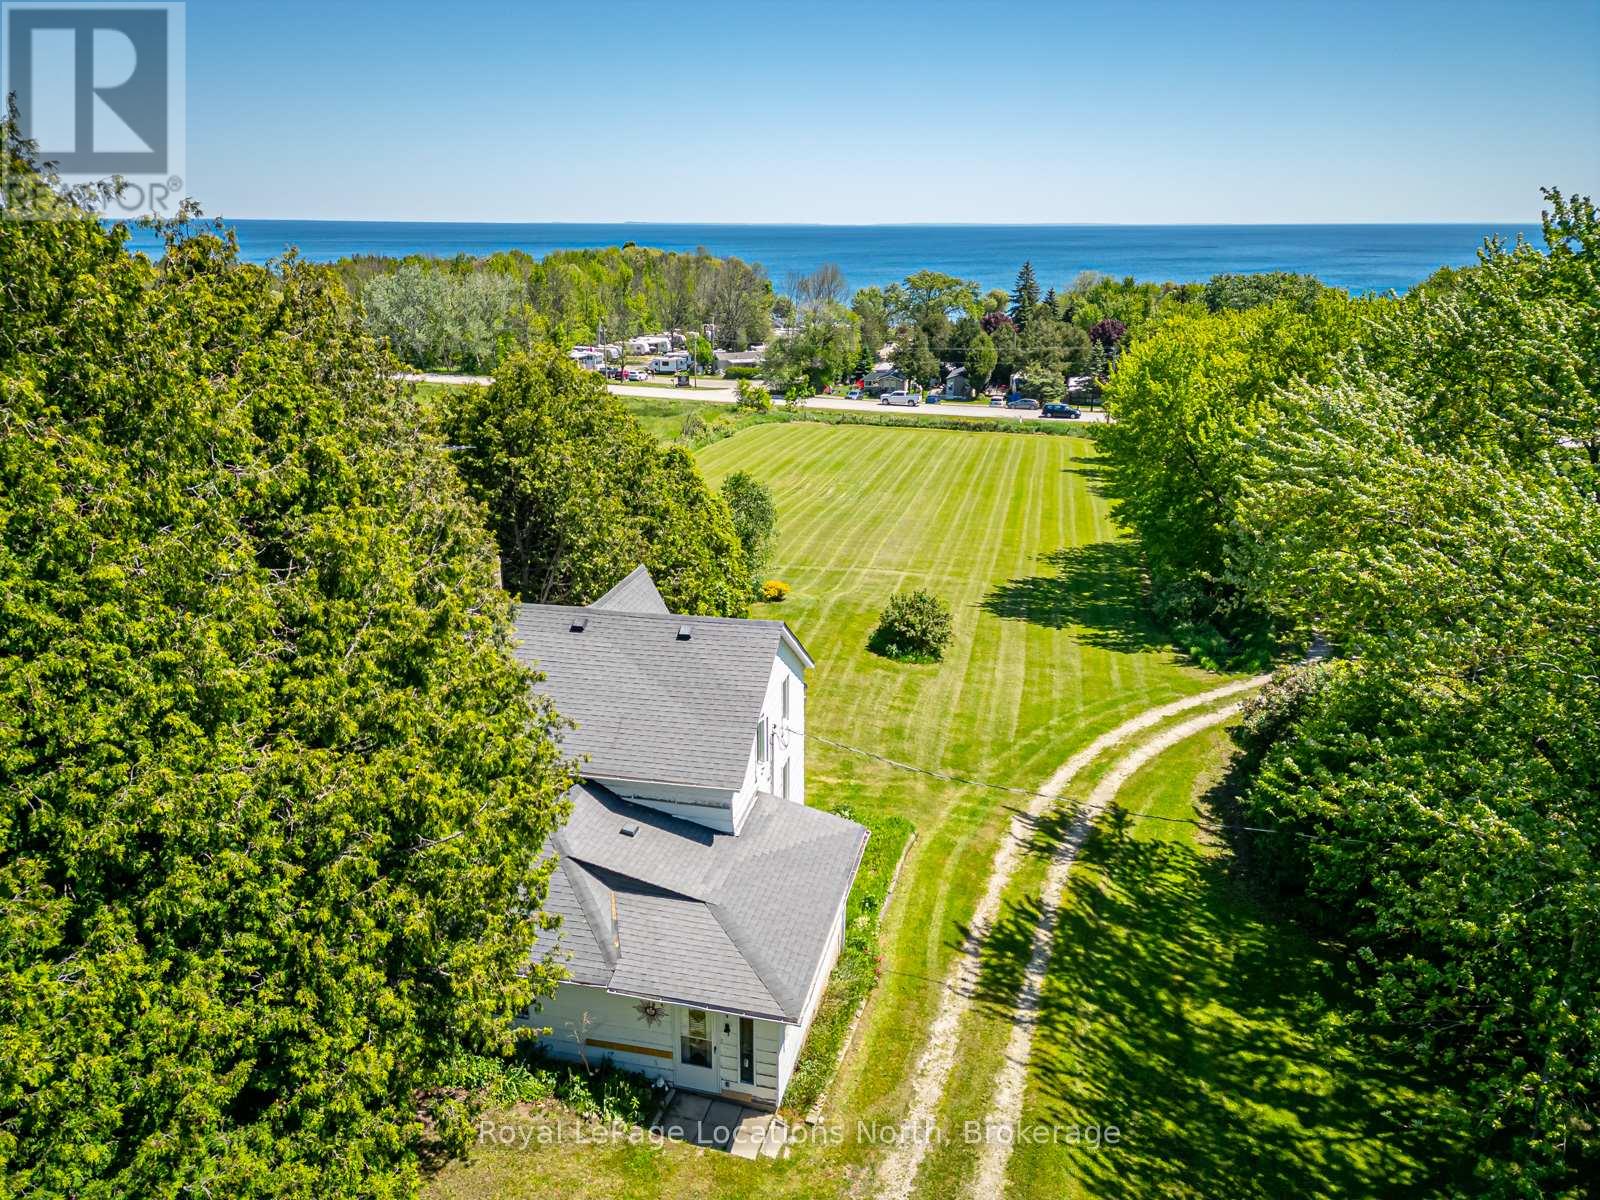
{"type": "Point", "coordinates": [1359, 257]}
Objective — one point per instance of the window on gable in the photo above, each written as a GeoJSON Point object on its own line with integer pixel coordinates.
{"type": "Point", "coordinates": [785, 699]}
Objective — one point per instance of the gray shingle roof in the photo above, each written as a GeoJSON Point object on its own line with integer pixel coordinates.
{"type": "Point", "coordinates": [649, 704]}
{"type": "Point", "coordinates": [636, 593]}
{"type": "Point", "coordinates": [732, 922]}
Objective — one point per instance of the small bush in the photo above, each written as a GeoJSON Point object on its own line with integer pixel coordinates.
{"type": "Point", "coordinates": [775, 590]}
{"type": "Point", "coordinates": [694, 427]}
{"type": "Point", "coordinates": [501, 1080]}
{"type": "Point", "coordinates": [606, 1093]}
{"type": "Point", "coordinates": [742, 373]}
{"type": "Point", "coordinates": [915, 626]}
{"type": "Point", "coordinates": [753, 397]}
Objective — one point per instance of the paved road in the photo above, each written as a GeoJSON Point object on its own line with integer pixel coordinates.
{"type": "Point", "coordinates": [717, 391]}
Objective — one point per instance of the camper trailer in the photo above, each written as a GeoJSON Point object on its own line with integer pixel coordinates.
{"type": "Point", "coordinates": [669, 364]}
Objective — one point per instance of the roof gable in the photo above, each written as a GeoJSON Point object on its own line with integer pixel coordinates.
{"type": "Point", "coordinates": [635, 593]}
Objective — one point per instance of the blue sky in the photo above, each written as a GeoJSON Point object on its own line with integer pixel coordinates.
{"type": "Point", "coordinates": [892, 112]}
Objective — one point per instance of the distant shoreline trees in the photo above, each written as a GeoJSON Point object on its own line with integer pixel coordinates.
{"type": "Point", "coordinates": [467, 314]}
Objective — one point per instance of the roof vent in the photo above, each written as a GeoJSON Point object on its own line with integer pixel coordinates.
{"type": "Point", "coordinates": [630, 830]}
{"type": "Point", "coordinates": [684, 632]}
{"type": "Point", "coordinates": [578, 624]}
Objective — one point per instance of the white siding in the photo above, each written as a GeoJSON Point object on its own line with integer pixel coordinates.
{"type": "Point", "coordinates": [710, 807]}
{"type": "Point", "coordinates": [786, 741]}
{"type": "Point", "coordinates": [612, 1019]}
{"type": "Point", "coordinates": [616, 1019]}
{"type": "Point", "coordinates": [767, 1035]}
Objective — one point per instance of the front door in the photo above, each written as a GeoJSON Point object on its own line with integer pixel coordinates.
{"type": "Point", "coordinates": [697, 1051]}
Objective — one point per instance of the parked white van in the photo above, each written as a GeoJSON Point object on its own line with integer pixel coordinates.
{"type": "Point", "coordinates": [908, 399]}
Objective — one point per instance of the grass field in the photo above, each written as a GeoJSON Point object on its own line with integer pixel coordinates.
{"type": "Point", "coordinates": [1208, 1031]}
{"type": "Point", "coordinates": [1050, 649]}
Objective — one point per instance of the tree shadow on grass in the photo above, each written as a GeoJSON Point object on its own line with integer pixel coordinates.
{"type": "Point", "coordinates": [1004, 954]}
{"type": "Point", "coordinates": [1097, 589]}
{"type": "Point", "coordinates": [1094, 470]}
{"type": "Point", "coordinates": [1215, 1036]}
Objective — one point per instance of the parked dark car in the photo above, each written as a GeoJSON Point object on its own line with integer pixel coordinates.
{"type": "Point", "coordinates": [1067, 412]}
{"type": "Point", "coordinates": [1021, 402]}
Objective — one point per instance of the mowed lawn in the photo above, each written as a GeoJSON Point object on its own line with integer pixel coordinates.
{"type": "Point", "coordinates": [1050, 650]}
{"type": "Point", "coordinates": [1207, 1029]}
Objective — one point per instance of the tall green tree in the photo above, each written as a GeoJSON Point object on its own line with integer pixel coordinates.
{"type": "Point", "coordinates": [915, 359]}
{"type": "Point", "coordinates": [1187, 401]}
{"type": "Point", "coordinates": [1024, 297]}
{"type": "Point", "coordinates": [820, 350]}
{"type": "Point", "coordinates": [578, 492]}
{"type": "Point", "coordinates": [872, 316]}
{"type": "Point", "coordinates": [272, 791]}
{"type": "Point", "coordinates": [755, 520]}
{"type": "Point", "coordinates": [980, 363]}
{"type": "Point", "coordinates": [928, 297]}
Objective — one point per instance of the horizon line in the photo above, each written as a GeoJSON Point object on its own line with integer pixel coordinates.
{"type": "Point", "coordinates": [1475, 222]}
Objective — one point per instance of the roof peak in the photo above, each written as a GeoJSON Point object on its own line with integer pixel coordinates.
{"type": "Point", "coordinates": [635, 592]}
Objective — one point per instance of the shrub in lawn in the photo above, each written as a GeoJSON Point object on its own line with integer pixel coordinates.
{"type": "Point", "coordinates": [694, 427]}
{"type": "Point", "coordinates": [742, 373]}
{"type": "Point", "coordinates": [775, 590]}
{"type": "Point", "coordinates": [915, 627]}
{"type": "Point", "coordinates": [753, 397]}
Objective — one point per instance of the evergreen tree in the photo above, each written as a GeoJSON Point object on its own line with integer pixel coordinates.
{"type": "Point", "coordinates": [1024, 297]}
{"type": "Point", "coordinates": [579, 493]}
{"type": "Point", "coordinates": [272, 789]}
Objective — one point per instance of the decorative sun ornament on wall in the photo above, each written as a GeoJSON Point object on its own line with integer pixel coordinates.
{"type": "Point", "coordinates": [650, 1011]}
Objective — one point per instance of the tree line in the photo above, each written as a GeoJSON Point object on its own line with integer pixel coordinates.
{"type": "Point", "coordinates": [932, 321]}
{"type": "Point", "coordinates": [1417, 480]}
{"type": "Point", "coordinates": [468, 313]}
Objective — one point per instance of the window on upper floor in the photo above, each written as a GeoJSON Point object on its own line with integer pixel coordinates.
{"type": "Point", "coordinates": [761, 740]}
{"type": "Point", "coordinates": [785, 699]}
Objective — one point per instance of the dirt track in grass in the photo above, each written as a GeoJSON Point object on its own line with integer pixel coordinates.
{"type": "Point", "coordinates": [898, 1172]}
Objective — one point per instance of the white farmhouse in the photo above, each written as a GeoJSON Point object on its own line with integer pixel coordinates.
{"type": "Point", "coordinates": [702, 902]}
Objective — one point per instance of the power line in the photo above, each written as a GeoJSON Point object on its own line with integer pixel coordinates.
{"type": "Point", "coordinates": [965, 781]}
{"type": "Point", "coordinates": [1209, 827]}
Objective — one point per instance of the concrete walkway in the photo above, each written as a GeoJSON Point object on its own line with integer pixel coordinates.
{"type": "Point", "coordinates": [715, 1124]}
